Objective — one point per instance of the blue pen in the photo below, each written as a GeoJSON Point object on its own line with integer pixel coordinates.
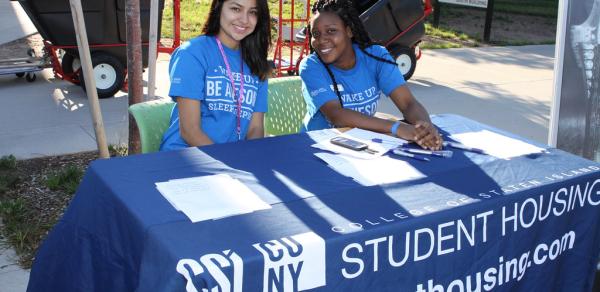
{"type": "Point", "coordinates": [381, 141]}
{"type": "Point", "coordinates": [463, 147]}
{"type": "Point", "coordinates": [406, 154]}
{"type": "Point", "coordinates": [438, 153]}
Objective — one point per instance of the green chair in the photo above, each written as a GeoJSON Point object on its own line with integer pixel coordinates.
{"type": "Point", "coordinates": [286, 106]}
{"type": "Point", "coordinates": [152, 118]}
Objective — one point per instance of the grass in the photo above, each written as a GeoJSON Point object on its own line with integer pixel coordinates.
{"type": "Point", "coordinates": [443, 45]}
{"type": "Point", "coordinates": [8, 177]}
{"type": "Point", "coordinates": [27, 217]}
{"type": "Point", "coordinates": [66, 179]}
{"type": "Point", "coordinates": [19, 232]}
{"type": "Point", "coordinates": [546, 8]}
{"type": "Point", "coordinates": [446, 33]}
{"type": "Point", "coordinates": [192, 16]}
{"type": "Point", "coordinates": [521, 43]}
{"type": "Point", "coordinates": [194, 13]}
{"type": "Point", "coordinates": [447, 38]}
{"type": "Point", "coordinates": [118, 150]}
{"type": "Point", "coordinates": [22, 229]}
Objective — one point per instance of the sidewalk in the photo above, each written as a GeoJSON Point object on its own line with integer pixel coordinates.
{"type": "Point", "coordinates": [506, 87]}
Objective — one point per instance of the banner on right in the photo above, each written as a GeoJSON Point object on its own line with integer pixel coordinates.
{"type": "Point", "coordinates": [575, 117]}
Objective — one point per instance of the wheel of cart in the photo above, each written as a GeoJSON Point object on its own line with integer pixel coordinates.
{"type": "Point", "coordinates": [406, 58]}
{"type": "Point", "coordinates": [109, 74]}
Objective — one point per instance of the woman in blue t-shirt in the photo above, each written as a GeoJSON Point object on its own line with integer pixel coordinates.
{"type": "Point", "coordinates": [345, 75]}
{"type": "Point", "coordinates": [219, 79]}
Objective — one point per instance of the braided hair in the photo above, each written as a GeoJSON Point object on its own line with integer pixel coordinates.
{"type": "Point", "coordinates": [346, 10]}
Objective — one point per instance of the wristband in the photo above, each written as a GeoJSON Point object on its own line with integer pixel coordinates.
{"type": "Point", "coordinates": [394, 129]}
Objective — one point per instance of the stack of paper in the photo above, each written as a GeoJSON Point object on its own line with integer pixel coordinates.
{"type": "Point", "coordinates": [386, 143]}
{"type": "Point", "coordinates": [370, 172]}
{"type": "Point", "coordinates": [210, 197]}
{"type": "Point", "coordinates": [366, 168]}
{"type": "Point", "coordinates": [495, 144]}
{"type": "Point", "coordinates": [322, 135]}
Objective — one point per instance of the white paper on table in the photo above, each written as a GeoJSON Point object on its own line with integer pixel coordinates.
{"type": "Point", "coordinates": [369, 172]}
{"type": "Point", "coordinates": [365, 136]}
{"type": "Point", "coordinates": [322, 135]}
{"type": "Point", "coordinates": [495, 144]}
{"type": "Point", "coordinates": [211, 197]}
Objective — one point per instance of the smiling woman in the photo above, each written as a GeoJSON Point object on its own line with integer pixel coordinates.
{"type": "Point", "coordinates": [345, 76]}
{"type": "Point", "coordinates": [219, 78]}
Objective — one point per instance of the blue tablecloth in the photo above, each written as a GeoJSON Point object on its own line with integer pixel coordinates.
{"type": "Point", "coordinates": [474, 223]}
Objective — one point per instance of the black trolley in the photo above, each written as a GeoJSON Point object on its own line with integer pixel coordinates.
{"type": "Point", "coordinates": [105, 26]}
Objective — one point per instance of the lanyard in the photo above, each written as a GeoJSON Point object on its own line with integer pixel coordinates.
{"type": "Point", "coordinates": [241, 91]}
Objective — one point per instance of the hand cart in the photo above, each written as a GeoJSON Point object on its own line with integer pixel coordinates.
{"type": "Point", "coordinates": [23, 66]}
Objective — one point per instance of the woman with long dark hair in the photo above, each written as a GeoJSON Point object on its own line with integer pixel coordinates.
{"type": "Point", "coordinates": [345, 75]}
{"type": "Point", "coordinates": [219, 79]}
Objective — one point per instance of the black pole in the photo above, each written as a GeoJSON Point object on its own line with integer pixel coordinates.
{"type": "Point", "coordinates": [488, 21]}
{"type": "Point", "coordinates": [436, 14]}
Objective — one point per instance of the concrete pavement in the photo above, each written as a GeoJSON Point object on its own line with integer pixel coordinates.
{"type": "Point", "coordinates": [52, 117]}
{"type": "Point", "coordinates": [507, 87]}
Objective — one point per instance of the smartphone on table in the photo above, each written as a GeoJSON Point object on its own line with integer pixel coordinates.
{"type": "Point", "coordinates": [349, 143]}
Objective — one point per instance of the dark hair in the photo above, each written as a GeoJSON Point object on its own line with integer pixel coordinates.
{"type": "Point", "coordinates": [255, 46]}
{"type": "Point", "coordinates": [346, 10]}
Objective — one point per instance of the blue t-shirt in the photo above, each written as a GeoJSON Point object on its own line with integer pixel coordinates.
{"type": "Point", "coordinates": [197, 71]}
{"type": "Point", "coordinates": [360, 87]}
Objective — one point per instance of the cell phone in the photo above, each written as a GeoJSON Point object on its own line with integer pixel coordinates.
{"type": "Point", "coordinates": [349, 143]}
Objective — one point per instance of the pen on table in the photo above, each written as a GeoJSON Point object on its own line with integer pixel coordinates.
{"type": "Point", "coordinates": [463, 147]}
{"type": "Point", "coordinates": [406, 154]}
{"type": "Point", "coordinates": [382, 141]}
{"type": "Point", "coordinates": [438, 153]}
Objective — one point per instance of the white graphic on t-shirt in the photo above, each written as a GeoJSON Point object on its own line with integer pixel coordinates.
{"type": "Point", "coordinates": [220, 94]}
{"type": "Point", "coordinates": [364, 102]}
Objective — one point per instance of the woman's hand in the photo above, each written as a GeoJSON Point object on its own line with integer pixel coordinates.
{"type": "Point", "coordinates": [190, 123]}
{"type": "Point", "coordinates": [427, 136]}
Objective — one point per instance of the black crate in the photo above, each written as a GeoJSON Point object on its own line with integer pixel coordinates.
{"type": "Point", "coordinates": [384, 19]}
{"type": "Point", "coordinates": [104, 21]}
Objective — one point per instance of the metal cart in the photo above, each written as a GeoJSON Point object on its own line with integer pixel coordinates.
{"type": "Point", "coordinates": [23, 67]}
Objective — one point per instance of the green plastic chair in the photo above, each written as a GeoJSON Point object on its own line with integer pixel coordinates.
{"type": "Point", "coordinates": [152, 118]}
{"type": "Point", "coordinates": [286, 106]}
